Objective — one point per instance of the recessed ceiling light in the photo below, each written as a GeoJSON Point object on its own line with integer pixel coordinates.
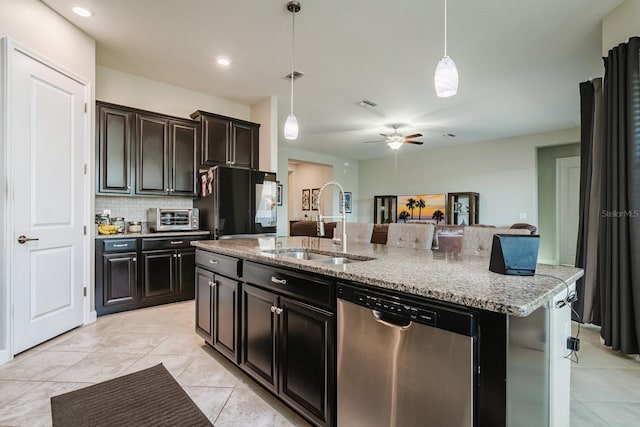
{"type": "Point", "coordinates": [223, 61]}
{"type": "Point", "coordinates": [81, 11]}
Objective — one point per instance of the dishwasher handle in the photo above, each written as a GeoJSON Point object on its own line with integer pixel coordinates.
{"type": "Point", "coordinates": [391, 321]}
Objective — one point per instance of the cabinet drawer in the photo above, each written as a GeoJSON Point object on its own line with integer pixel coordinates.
{"type": "Point", "coordinates": [307, 288]}
{"type": "Point", "coordinates": [119, 245]}
{"type": "Point", "coordinates": [168, 243]}
{"type": "Point", "coordinates": [221, 264]}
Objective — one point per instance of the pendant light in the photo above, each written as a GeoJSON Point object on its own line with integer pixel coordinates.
{"type": "Point", "coordinates": [291, 125]}
{"type": "Point", "coordinates": [446, 78]}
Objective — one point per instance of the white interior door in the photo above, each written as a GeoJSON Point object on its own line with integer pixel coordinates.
{"type": "Point", "coordinates": [47, 183]}
{"type": "Point", "coordinates": [567, 205]}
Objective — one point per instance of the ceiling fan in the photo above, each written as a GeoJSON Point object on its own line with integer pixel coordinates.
{"type": "Point", "coordinates": [395, 140]}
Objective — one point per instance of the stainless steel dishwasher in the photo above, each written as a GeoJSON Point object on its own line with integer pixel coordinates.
{"type": "Point", "coordinates": [403, 361]}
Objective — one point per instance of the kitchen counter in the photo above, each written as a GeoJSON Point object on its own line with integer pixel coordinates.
{"type": "Point", "coordinates": [446, 277]}
{"type": "Point", "coordinates": [150, 234]}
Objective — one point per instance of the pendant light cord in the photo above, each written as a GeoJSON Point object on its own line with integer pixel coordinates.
{"type": "Point", "coordinates": [293, 52]}
{"type": "Point", "coordinates": [445, 27]}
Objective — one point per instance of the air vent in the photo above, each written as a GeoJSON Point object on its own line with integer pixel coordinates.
{"type": "Point", "coordinates": [366, 103]}
{"type": "Point", "coordinates": [296, 75]}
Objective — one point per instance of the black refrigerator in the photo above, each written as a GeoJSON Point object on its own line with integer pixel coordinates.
{"type": "Point", "coordinates": [237, 202]}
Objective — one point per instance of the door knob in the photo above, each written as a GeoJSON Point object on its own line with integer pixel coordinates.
{"type": "Point", "coordinates": [24, 239]}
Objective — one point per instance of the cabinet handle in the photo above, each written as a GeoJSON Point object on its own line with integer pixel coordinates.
{"type": "Point", "coordinates": [278, 281]}
{"type": "Point", "coordinates": [278, 310]}
{"type": "Point", "coordinates": [176, 242]}
{"type": "Point", "coordinates": [212, 283]}
{"type": "Point", "coordinates": [175, 255]}
{"type": "Point", "coordinates": [166, 190]}
{"type": "Point", "coordinates": [273, 308]}
{"type": "Point", "coordinates": [172, 190]}
{"type": "Point", "coordinates": [213, 261]}
{"type": "Point", "coordinates": [128, 187]}
{"type": "Point", "coordinates": [134, 259]}
{"type": "Point", "coordinates": [179, 255]}
{"type": "Point", "coordinates": [121, 245]}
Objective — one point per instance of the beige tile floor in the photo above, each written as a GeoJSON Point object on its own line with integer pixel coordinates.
{"type": "Point", "coordinates": [605, 386]}
{"type": "Point", "coordinates": [127, 342]}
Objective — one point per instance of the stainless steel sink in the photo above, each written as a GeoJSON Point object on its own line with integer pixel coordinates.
{"type": "Point", "coordinates": [338, 260]}
{"type": "Point", "coordinates": [309, 255]}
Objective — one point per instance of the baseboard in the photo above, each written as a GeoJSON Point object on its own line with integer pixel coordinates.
{"type": "Point", "coordinates": [5, 356]}
{"type": "Point", "coordinates": [93, 316]}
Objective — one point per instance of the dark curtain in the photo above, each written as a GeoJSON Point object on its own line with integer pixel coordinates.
{"type": "Point", "coordinates": [587, 307]}
{"type": "Point", "coordinates": [619, 230]}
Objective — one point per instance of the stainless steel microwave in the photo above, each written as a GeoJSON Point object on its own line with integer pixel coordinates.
{"type": "Point", "coordinates": [173, 219]}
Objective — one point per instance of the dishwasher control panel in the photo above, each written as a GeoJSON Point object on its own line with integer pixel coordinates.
{"type": "Point", "coordinates": [412, 308]}
{"type": "Point", "coordinates": [414, 313]}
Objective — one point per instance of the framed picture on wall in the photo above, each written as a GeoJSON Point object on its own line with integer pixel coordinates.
{"type": "Point", "coordinates": [306, 194]}
{"type": "Point", "coordinates": [347, 202]}
{"type": "Point", "coordinates": [314, 199]}
{"type": "Point", "coordinates": [279, 194]}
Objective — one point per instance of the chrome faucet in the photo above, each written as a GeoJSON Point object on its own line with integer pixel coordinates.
{"type": "Point", "coordinates": [343, 216]}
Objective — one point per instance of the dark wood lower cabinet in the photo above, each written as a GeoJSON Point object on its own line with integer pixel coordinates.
{"type": "Point", "coordinates": [225, 317]}
{"type": "Point", "coordinates": [305, 363]}
{"type": "Point", "coordinates": [204, 304]}
{"type": "Point", "coordinates": [167, 275]}
{"type": "Point", "coordinates": [118, 290]}
{"type": "Point", "coordinates": [259, 335]}
{"type": "Point", "coordinates": [140, 272]}
{"type": "Point", "coordinates": [287, 346]}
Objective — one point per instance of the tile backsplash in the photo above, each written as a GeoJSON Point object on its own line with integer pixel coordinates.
{"type": "Point", "coordinates": [135, 208]}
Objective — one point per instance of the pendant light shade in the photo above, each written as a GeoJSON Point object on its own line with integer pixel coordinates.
{"type": "Point", "coordinates": [446, 78]}
{"type": "Point", "coordinates": [291, 127]}
{"type": "Point", "coordinates": [291, 124]}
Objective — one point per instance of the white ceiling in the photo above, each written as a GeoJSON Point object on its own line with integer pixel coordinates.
{"type": "Point", "coordinates": [519, 62]}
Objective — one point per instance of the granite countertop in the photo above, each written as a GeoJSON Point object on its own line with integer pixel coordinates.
{"type": "Point", "coordinates": [447, 277]}
{"type": "Point", "coordinates": [150, 234]}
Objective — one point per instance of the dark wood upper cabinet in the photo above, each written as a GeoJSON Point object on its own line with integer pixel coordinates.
{"type": "Point", "coordinates": [152, 159]}
{"type": "Point", "coordinates": [166, 160]}
{"type": "Point", "coordinates": [144, 153]}
{"type": "Point", "coordinates": [184, 158]}
{"type": "Point", "coordinates": [113, 155]}
{"type": "Point", "coordinates": [227, 141]}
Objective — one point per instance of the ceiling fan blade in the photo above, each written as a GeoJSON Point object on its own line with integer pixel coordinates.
{"type": "Point", "coordinates": [386, 136]}
{"type": "Point", "coordinates": [414, 142]}
{"type": "Point", "coordinates": [369, 142]}
{"type": "Point", "coordinates": [415, 135]}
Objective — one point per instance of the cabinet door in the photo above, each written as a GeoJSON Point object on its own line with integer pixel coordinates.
{"type": "Point", "coordinates": [119, 279]}
{"type": "Point", "coordinates": [184, 150]}
{"type": "Point", "coordinates": [204, 283]}
{"type": "Point", "coordinates": [306, 363]}
{"type": "Point", "coordinates": [158, 276]}
{"type": "Point", "coordinates": [225, 315]}
{"type": "Point", "coordinates": [152, 159]}
{"type": "Point", "coordinates": [185, 279]}
{"type": "Point", "coordinates": [244, 148]}
{"type": "Point", "coordinates": [215, 140]}
{"type": "Point", "coordinates": [113, 174]}
{"type": "Point", "coordinates": [259, 324]}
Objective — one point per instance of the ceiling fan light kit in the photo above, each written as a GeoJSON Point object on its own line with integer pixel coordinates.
{"type": "Point", "coordinates": [291, 125]}
{"type": "Point", "coordinates": [446, 77]}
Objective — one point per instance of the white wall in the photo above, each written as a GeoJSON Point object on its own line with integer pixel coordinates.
{"type": "Point", "coordinates": [503, 172]}
{"type": "Point", "coordinates": [133, 91]}
{"type": "Point", "coordinates": [308, 176]}
{"type": "Point", "coordinates": [266, 113]}
{"type": "Point", "coordinates": [345, 172]}
{"type": "Point", "coordinates": [623, 22]}
{"type": "Point", "coordinates": [34, 26]}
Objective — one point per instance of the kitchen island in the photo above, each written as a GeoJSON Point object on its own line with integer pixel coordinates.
{"type": "Point", "coordinates": [522, 322]}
